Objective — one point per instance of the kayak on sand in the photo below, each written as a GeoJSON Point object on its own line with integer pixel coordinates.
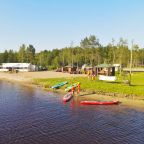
{"type": "Point", "coordinates": [70, 87]}
{"type": "Point", "coordinates": [59, 85]}
{"type": "Point", "coordinates": [99, 102]}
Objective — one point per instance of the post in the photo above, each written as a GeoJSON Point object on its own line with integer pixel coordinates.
{"type": "Point", "coordinates": [131, 63]}
{"type": "Point", "coordinates": [71, 45]}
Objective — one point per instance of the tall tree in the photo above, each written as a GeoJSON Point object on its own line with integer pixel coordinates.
{"type": "Point", "coordinates": [22, 53]}
{"type": "Point", "coordinates": [88, 44]}
{"type": "Point", "coordinates": [5, 56]}
{"type": "Point", "coordinates": [30, 53]}
{"type": "Point", "coordinates": [123, 52]}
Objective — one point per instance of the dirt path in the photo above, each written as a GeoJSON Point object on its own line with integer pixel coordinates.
{"type": "Point", "coordinates": [28, 76]}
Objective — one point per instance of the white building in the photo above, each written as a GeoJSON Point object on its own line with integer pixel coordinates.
{"type": "Point", "coordinates": [117, 67]}
{"type": "Point", "coordinates": [23, 67]}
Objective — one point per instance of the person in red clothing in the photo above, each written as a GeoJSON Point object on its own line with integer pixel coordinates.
{"type": "Point", "coordinates": [72, 90]}
{"type": "Point", "coordinates": [78, 88]}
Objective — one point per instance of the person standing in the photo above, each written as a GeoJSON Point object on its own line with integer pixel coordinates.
{"type": "Point", "coordinates": [72, 90]}
{"type": "Point", "coordinates": [88, 74]}
{"type": "Point", "coordinates": [78, 88]}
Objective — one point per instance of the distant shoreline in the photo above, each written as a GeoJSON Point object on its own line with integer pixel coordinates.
{"type": "Point", "coordinates": [26, 78]}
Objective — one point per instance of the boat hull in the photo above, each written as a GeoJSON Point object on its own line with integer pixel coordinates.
{"type": "Point", "coordinates": [107, 78]}
{"type": "Point", "coordinates": [59, 85]}
{"type": "Point", "coordinates": [67, 97]}
{"type": "Point", "coordinates": [99, 102]}
{"type": "Point", "coordinates": [70, 87]}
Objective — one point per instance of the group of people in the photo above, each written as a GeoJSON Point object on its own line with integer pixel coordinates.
{"type": "Point", "coordinates": [91, 75]}
{"type": "Point", "coordinates": [77, 88]}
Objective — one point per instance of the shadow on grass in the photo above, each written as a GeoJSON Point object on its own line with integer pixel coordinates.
{"type": "Point", "coordinates": [115, 82]}
{"type": "Point", "coordinates": [85, 94]}
{"type": "Point", "coordinates": [136, 85]}
{"type": "Point", "coordinates": [126, 84]}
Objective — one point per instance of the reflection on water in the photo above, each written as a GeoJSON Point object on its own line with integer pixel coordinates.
{"type": "Point", "coordinates": [32, 116]}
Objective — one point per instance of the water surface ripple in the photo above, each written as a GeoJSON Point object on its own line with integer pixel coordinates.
{"type": "Point", "coordinates": [32, 116]}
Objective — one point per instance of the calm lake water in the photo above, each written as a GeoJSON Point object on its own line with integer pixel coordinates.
{"type": "Point", "coordinates": [33, 116]}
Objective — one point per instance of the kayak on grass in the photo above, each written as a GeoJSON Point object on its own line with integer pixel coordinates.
{"type": "Point", "coordinates": [67, 97]}
{"type": "Point", "coordinates": [71, 86]}
{"type": "Point", "coordinates": [59, 85]}
{"type": "Point", "coordinates": [99, 102]}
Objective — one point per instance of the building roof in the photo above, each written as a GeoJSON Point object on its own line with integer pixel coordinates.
{"type": "Point", "coordinates": [70, 66]}
{"type": "Point", "coordinates": [117, 65]}
{"type": "Point", "coordinates": [16, 64]}
{"type": "Point", "coordinates": [104, 65]}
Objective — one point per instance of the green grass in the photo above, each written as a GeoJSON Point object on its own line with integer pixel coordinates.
{"type": "Point", "coordinates": [118, 87]}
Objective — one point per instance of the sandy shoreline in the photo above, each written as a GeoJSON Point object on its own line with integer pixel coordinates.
{"type": "Point", "coordinates": [132, 103]}
{"type": "Point", "coordinates": [26, 78]}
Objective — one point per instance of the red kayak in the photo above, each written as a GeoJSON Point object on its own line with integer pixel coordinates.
{"type": "Point", "coordinates": [67, 97]}
{"type": "Point", "coordinates": [99, 102]}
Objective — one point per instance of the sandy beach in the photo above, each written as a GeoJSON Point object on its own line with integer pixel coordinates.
{"type": "Point", "coordinates": [29, 76]}
{"type": "Point", "coordinates": [128, 102]}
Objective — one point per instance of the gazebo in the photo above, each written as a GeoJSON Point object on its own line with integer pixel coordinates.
{"type": "Point", "coordinates": [69, 69]}
{"type": "Point", "coordinates": [104, 69]}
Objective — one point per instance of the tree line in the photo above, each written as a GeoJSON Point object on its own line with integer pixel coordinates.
{"type": "Point", "coordinates": [90, 52]}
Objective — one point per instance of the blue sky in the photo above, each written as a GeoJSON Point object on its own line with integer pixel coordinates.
{"type": "Point", "coordinates": [49, 24]}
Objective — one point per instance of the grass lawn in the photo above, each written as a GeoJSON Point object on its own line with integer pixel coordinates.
{"type": "Point", "coordinates": [96, 86]}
